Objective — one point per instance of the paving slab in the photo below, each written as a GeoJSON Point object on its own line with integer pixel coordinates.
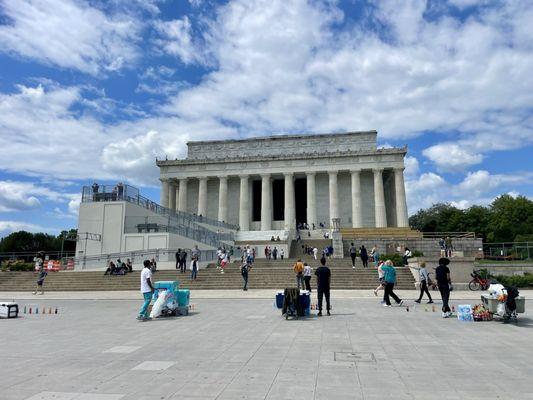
{"type": "Point", "coordinates": [239, 348]}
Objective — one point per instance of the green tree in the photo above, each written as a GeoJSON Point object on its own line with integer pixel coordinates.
{"type": "Point", "coordinates": [510, 217]}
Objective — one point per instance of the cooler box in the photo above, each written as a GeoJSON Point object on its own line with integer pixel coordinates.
{"type": "Point", "coordinates": [305, 301]}
{"type": "Point", "coordinates": [184, 296]}
{"type": "Point", "coordinates": [280, 296]}
{"type": "Point", "coordinates": [168, 285]}
{"type": "Point", "coordinates": [9, 310]}
{"type": "Point", "coordinates": [492, 304]}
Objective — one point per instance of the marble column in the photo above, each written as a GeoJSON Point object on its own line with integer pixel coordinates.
{"type": "Point", "coordinates": [266, 203]}
{"type": "Point", "coordinates": [176, 196]}
{"type": "Point", "coordinates": [164, 193]}
{"type": "Point", "coordinates": [311, 199]}
{"type": "Point", "coordinates": [223, 199]}
{"type": "Point", "coordinates": [357, 212]}
{"type": "Point", "coordinates": [171, 195]}
{"type": "Point", "coordinates": [379, 199]}
{"type": "Point", "coordinates": [290, 221]}
{"type": "Point", "coordinates": [402, 220]}
{"type": "Point", "coordinates": [202, 197]}
{"type": "Point", "coordinates": [333, 196]}
{"type": "Point", "coordinates": [182, 200]}
{"type": "Point", "coordinates": [244, 204]}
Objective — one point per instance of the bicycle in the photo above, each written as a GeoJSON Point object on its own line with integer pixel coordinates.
{"type": "Point", "coordinates": [478, 282]}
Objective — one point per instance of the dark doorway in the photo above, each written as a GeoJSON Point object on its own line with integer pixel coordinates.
{"type": "Point", "coordinates": [300, 198]}
{"type": "Point", "coordinates": [278, 201]}
{"type": "Point", "coordinates": [256, 200]}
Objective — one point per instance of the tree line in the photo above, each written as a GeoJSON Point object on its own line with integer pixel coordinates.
{"type": "Point", "coordinates": [506, 219]}
{"type": "Point", "coordinates": [28, 242]}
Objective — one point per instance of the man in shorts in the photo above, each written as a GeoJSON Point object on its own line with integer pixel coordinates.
{"type": "Point", "coordinates": [147, 289]}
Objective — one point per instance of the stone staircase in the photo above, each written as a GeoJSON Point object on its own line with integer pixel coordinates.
{"type": "Point", "coordinates": [266, 274]}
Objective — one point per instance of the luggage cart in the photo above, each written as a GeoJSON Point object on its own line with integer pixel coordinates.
{"type": "Point", "coordinates": [177, 302]}
{"type": "Point", "coordinates": [510, 314]}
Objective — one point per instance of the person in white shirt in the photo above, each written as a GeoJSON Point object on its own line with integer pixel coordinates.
{"type": "Point", "coordinates": [406, 255]}
{"type": "Point", "coordinates": [424, 282]}
{"type": "Point", "coordinates": [381, 276]}
{"type": "Point", "coordinates": [282, 253]}
{"type": "Point", "coordinates": [315, 252]}
{"type": "Point", "coordinates": [308, 272]}
{"type": "Point", "coordinates": [147, 289]}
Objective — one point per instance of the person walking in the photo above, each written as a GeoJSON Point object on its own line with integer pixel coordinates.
{"type": "Point", "coordinates": [406, 256]}
{"type": "Point", "coordinates": [364, 256]}
{"type": "Point", "coordinates": [41, 275]}
{"type": "Point", "coordinates": [299, 271]}
{"type": "Point", "coordinates": [444, 282]}
{"type": "Point", "coordinates": [390, 279]}
{"type": "Point", "coordinates": [323, 280]}
{"type": "Point", "coordinates": [375, 255]}
{"type": "Point", "coordinates": [147, 290]}
{"type": "Point", "coordinates": [308, 271]}
{"type": "Point", "coordinates": [245, 269]}
{"type": "Point", "coordinates": [381, 275]}
{"type": "Point", "coordinates": [448, 247]}
{"type": "Point", "coordinates": [275, 253]}
{"type": "Point", "coordinates": [315, 252]}
{"type": "Point", "coordinates": [424, 282]}
{"type": "Point", "coordinates": [353, 254]}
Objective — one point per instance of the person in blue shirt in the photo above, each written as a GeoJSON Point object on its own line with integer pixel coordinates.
{"type": "Point", "coordinates": [389, 278]}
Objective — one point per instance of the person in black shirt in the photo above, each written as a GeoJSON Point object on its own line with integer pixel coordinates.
{"type": "Point", "coordinates": [444, 282]}
{"type": "Point", "coordinates": [323, 278]}
{"type": "Point", "coordinates": [178, 258]}
{"type": "Point", "coordinates": [364, 256]}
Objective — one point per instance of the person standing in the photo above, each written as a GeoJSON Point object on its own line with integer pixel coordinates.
{"type": "Point", "coordinates": [275, 253]}
{"type": "Point", "coordinates": [194, 269]}
{"type": "Point", "coordinates": [390, 279]}
{"type": "Point", "coordinates": [195, 253]}
{"type": "Point", "coordinates": [444, 282]}
{"type": "Point", "coordinates": [323, 280]}
{"type": "Point", "coordinates": [448, 247]}
{"type": "Point", "coordinates": [245, 269]}
{"type": "Point", "coordinates": [375, 255]}
{"type": "Point", "coordinates": [281, 253]}
{"type": "Point", "coordinates": [178, 258]}
{"type": "Point", "coordinates": [364, 256]}
{"type": "Point", "coordinates": [153, 265]}
{"type": "Point", "coordinates": [442, 246]}
{"type": "Point", "coordinates": [315, 252]}
{"type": "Point", "coordinates": [353, 254]}
{"type": "Point", "coordinates": [147, 290]}
{"type": "Point", "coordinates": [183, 261]}
{"type": "Point", "coordinates": [406, 256]}
{"type": "Point", "coordinates": [299, 271]}
{"type": "Point", "coordinates": [424, 282]}
{"type": "Point", "coordinates": [308, 271]}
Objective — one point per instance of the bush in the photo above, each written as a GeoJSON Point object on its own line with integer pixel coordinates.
{"type": "Point", "coordinates": [525, 281]}
{"type": "Point", "coordinates": [17, 265]}
{"type": "Point", "coordinates": [395, 258]}
{"type": "Point", "coordinates": [417, 253]}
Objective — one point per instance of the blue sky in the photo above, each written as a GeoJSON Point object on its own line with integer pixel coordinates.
{"type": "Point", "coordinates": [96, 90]}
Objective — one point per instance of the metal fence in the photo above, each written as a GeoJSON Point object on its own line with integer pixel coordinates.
{"type": "Point", "coordinates": [452, 235]}
{"type": "Point", "coordinates": [131, 194]}
{"type": "Point", "coordinates": [510, 251]}
{"type": "Point", "coordinates": [28, 256]}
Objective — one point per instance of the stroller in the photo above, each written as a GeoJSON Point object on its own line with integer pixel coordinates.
{"type": "Point", "coordinates": [510, 304]}
{"type": "Point", "coordinates": [291, 304]}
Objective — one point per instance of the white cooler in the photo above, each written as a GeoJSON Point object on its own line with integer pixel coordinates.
{"type": "Point", "coordinates": [9, 310]}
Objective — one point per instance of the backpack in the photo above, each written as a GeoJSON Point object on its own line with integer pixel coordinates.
{"type": "Point", "coordinates": [244, 269]}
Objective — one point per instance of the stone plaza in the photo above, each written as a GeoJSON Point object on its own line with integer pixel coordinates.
{"type": "Point", "coordinates": [236, 348]}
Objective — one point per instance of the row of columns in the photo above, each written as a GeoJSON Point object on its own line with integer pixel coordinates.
{"type": "Point", "coordinates": [175, 197]}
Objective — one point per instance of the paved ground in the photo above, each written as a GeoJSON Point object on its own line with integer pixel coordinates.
{"type": "Point", "coordinates": [243, 349]}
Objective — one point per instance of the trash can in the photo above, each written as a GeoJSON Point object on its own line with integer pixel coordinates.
{"type": "Point", "coordinates": [184, 296]}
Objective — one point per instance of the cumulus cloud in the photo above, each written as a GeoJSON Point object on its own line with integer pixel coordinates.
{"type": "Point", "coordinates": [7, 227]}
{"type": "Point", "coordinates": [452, 157]}
{"type": "Point", "coordinates": [68, 34]}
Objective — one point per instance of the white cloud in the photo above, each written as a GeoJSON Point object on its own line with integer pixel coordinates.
{"type": "Point", "coordinates": [412, 166]}
{"type": "Point", "coordinates": [7, 227]}
{"type": "Point", "coordinates": [452, 156]}
{"type": "Point", "coordinates": [69, 34]}
{"type": "Point", "coordinates": [176, 39]}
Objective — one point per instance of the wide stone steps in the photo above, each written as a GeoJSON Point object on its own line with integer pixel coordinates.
{"type": "Point", "coordinates": [264, 275]}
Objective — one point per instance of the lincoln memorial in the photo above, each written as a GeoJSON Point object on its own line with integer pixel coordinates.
{"type": "Point", "coordinates": [275, 182]}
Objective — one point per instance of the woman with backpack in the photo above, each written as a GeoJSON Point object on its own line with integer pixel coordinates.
{"type": "Point", "coordinates": [424, 282]}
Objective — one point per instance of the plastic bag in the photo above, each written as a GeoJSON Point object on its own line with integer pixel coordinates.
{"type": "Point", "coordinates": [495, 290]}
{"type": "Point", "coordinates": [159, 303]}
{"type": "Point", "coordinates": [500, 310]}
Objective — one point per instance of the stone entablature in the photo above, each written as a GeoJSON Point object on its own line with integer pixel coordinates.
{"type": "Point", "coordinates": [282, 145]}
{"type": "Point", "coordinates": [316, 162]}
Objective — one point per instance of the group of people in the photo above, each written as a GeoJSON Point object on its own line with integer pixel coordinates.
{"type": "Point", "coordinates": [122, 268]}
{"type": "Point", "coordinates": [272, 253]}
{"type": "Point", "coordinates": [364, 255]}
{"type": "Point", "coordinates": [181, 261]}
{"type": "Point", "coordinates": [387, 280]}
{"type": "Point", "coordinates": [304, 273]}
{"type": "Point", "coordinates": [446, 247]}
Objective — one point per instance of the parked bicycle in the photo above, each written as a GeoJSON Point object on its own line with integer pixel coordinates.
{"type": "Point", "coordinates": [478, 282]}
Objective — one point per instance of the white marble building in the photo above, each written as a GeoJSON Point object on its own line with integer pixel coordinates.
{"type": "Point", "coordinates": [270, 183]}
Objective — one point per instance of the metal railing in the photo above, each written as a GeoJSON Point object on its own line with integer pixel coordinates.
{"type": "Point", "coordinates": [131, 194]}
{"type": "Point", "coordinates": [509, 251]}
{"type": "Point", "coordinates": [28, 256]}
{"type": "Point", "coordinates": [168, 224]}
{"type": "Point", "coordinates": [452, 235]}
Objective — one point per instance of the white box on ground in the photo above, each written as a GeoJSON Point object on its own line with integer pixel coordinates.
{"type": "Point", "coordinates": [9, 310]}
